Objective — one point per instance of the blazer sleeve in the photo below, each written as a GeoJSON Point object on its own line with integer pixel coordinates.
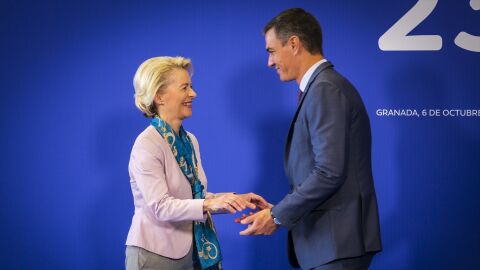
{"type": "Point", "coordinates": [148, 169]}
{"type": "Point", "coordinates": [327, 121]}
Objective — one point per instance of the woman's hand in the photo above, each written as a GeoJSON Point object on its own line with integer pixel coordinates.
{"type": "Point", "coordinates": [257, 200]}
{"type": "Point", "coordinates": [227, 203]}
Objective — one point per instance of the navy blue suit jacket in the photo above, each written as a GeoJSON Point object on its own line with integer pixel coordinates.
{"type": "Point", "coordinates": [331, 211]}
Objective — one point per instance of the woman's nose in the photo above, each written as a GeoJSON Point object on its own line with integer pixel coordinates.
{"type": "Point", "coordinates": [193, 94]}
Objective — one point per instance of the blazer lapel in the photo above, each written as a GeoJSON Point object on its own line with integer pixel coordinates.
{"type": "Point", "coordinates": [290, 131]}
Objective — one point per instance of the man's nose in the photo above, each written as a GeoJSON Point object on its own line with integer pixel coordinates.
{"type": "Point", "coordinates": [270, 61]}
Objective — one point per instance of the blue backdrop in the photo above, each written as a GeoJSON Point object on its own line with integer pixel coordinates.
{"type": "Point", "coordinates": [68, 122]}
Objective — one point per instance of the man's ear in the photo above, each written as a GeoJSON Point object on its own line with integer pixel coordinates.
{"type": "Point", "coordinates": [294, 43]}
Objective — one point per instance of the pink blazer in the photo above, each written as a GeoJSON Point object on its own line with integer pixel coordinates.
{"type": "Point", "coordinates": [164, 208]}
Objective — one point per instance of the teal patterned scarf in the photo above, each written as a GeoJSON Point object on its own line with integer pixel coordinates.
{"type": "Point", "coordinates": [206, 242]}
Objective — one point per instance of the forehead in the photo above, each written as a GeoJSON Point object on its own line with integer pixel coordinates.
{"type": "Point", "coordinates": [271, 40]}
{"type": "Point", "coordinates": [179, 76]}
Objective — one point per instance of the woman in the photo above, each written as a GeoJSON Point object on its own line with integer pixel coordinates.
{"type": "Point", "coordinates": [172, 227]}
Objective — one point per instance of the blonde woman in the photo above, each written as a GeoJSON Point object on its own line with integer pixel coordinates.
{"type": "Point", "coordinates": [172, 227]}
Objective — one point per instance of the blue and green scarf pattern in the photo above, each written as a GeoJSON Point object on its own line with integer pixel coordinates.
{"type": "Point", "coordinates": [206, 242]}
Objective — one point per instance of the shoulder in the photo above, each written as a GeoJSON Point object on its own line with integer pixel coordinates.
{"type": "Point", "coordinates": [328, 77]}
{"type": "Point", "coordinates": [323, 88]}
{"type": "Point", "coordinates": [329, 82]}
{"type": "Point", "coordinates": [149, 140]}
{"type": "Point", "coordinates": [331, 78]}
{"type": "Point", "coordinates": [326, 95]}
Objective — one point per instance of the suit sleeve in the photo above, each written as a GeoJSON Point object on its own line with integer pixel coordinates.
{"type": "Point", "coordinates": [147, 168]}
{"type": "Point", "coordinates": [327, 121]}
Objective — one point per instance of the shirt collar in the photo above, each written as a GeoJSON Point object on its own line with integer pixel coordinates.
{"type": "Point", "coordinates": [308, 74]}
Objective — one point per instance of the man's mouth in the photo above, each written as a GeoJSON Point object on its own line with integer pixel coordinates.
{"type": "Point", "coordinates": [188, 104]}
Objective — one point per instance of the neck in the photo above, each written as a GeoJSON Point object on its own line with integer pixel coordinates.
{"type": "Point", "coordinates": [175, 124]}
{"type": "Point", "coordinates": [305, 65]}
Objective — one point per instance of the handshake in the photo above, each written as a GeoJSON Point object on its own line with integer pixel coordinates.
{"type": "Point", "coordinates": [259, 223]}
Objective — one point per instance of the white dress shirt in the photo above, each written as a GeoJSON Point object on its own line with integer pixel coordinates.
{"type": "Point", "coordinates": [308, 74]}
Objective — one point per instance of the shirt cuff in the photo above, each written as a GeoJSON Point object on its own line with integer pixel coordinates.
{"type": "Point", "coordinates": [197, 205]}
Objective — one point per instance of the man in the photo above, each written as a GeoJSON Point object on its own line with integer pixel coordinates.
{"type": "Point", "coordinates": [331, 211]}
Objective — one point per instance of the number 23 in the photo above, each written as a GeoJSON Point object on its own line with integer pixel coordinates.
{"type": "Point", "coordinates": [396, 38]}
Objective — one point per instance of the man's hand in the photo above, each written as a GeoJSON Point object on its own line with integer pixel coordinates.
{"type": "Point", "coordinates": [258, 200]}
{"type": "Point", "coordinates": [261, 223]}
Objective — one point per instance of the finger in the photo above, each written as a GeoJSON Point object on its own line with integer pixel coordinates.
{"type": "Point", "coordinates": [246, 203]}
{"type": "Point", "coordinates": [237, 220]}
{"type": "Point", "coordinates": [260, 201]}
{"type": "Point", "coordinates": [250, 230]}
{"type": "Point", "coordinates": [238, 198]}
{"type": "Point", "coordinates": [237, 202]}
{"type": "Point", "coordinates": [242, 202]}
{"type": "Point", "coordinates": [230, 209]}
{"type": "Point", "coordinates": [259, 229]}
{"type": "Point", "coordinates": [248, 219]}
{"type": "Point", "coordinates": [264, 203]}
{"type": "Point", "coordinates": [229, 198]}
{"type": "Point", "coordinates": [264, 206]}
{"type": "Point", "coordinates": [236, 205]}
{"type": "Point", "coordinates": [256, 197]}
{"type": "Point", "coordinates": [250, 205]}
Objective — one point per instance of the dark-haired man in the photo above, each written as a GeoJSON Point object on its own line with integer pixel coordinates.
{"type": "Point", "coordinates": [331, 211]}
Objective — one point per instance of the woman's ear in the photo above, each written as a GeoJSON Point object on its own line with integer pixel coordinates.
{"type": "Point", "coordinates": [159, 100]}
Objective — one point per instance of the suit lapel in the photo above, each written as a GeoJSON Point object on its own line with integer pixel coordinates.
{"type": "Point", "coordinates": [290, 131]}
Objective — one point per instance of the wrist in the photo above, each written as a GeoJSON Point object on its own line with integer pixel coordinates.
{"type": "Point", "coordinates": [206, 205]}
{"type": "Point", "coordinates": [275, 220]}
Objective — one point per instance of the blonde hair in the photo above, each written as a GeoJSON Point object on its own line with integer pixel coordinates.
{"type": "Point", "coordinates": [152, 77]}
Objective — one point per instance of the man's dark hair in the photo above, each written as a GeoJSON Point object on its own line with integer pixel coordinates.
{"type": "Point", "coordinates": [298, 22]}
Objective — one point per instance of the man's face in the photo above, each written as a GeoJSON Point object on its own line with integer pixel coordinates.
{"type": "Point", "coordinates": [280, 57]}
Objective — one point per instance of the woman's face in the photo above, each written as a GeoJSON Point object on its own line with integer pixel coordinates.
{"type": "Point", "coordinates": [177, 97]}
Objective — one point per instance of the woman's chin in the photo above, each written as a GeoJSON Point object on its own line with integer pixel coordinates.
{"type": "Point", "coordinates": [187, 114]}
